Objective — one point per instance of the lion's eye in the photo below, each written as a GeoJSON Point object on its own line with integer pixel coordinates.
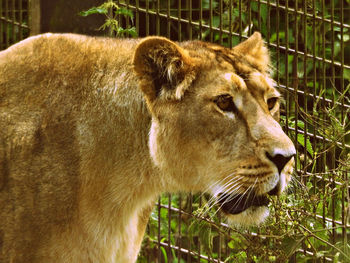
{"type": "Point", "coordinates": [225, 103]}
{"type": "Point", "coordinates": [271, 102]}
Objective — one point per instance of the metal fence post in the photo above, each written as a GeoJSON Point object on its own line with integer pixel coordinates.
{"type": "Point", "coordinates": [34, 17]}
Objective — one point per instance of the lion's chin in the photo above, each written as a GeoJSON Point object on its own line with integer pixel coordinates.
{"type": "Point", "coordinates": [253, 215]}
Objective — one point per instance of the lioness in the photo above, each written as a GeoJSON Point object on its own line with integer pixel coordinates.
{"type": "Point", "coordinates": [94, 129]}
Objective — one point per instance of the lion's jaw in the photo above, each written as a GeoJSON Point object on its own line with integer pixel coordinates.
{"type": "Point", "coordinates": [252, 209]}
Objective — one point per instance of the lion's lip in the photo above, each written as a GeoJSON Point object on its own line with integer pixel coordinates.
{"type": "Point", "coordinates": [237, 203]}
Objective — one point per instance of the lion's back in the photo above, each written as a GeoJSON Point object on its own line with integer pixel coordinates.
{"type": "Point", "coordinates": [44, 83]}
{"type": "Point", "coordinates": [34, 190]}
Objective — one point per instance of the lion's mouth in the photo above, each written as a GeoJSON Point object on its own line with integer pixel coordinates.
{"type": "Point", "coordinates": [235, 204]}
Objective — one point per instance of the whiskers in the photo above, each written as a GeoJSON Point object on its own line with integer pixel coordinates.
{"type": "Point", "coordinates": [224, 191]}
{"type": "Point", "coordinates": [296, 185]}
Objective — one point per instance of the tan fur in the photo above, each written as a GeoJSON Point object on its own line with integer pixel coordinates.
{"type": "Point", "coordinates": [94, 129]}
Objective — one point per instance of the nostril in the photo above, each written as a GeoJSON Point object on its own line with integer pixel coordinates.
{"type": "Point", "coordinates": [279, 160]}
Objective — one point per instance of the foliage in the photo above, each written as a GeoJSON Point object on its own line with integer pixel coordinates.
{"type": "Point", "coordinates": [112, 11]}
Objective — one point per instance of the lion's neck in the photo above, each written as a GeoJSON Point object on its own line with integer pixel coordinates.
{"type": "Point", "coordinates": [120, 181]}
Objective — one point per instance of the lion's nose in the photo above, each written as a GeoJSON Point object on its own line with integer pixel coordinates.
{"type": "Point", "coordinates": [279, 160]}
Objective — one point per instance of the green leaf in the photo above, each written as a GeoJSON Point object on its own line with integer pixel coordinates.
{"type": "Point", "coordinates": [301, 141]}
{"type": "Point", "coordinates": [216, 21]}
{"type": "Point", "coordinates": [206, 4]}
{"type": "Point", "coordinates": [300, 124]}
{"type": "Point", "coordinates": [110, 23]}
{"type": "Point", "coordinates": [231, 244]}
{"type": "Point", "coordinates": [262, 11]}
{"type": "Point", "coordinates": [125, 12]}
{"type": "Point", "coordinates": [346, 74]}
{"type": "Point", "coordinates": [164, 214]}
{"type": "Point", "coordinates": [93, 10]}
{"type": "Point", "coordinates": [164, 254]}
{"type": "Point", "coordinates": [273, 37]}
{"type": "Point", "coordinates": [109, 5]}
{"type": "Point", "coordinates": [345, 37]}
{"type": "Point", "coordinates": [130, 31]}
{"type": "Point", "coordinates": [206, 238]}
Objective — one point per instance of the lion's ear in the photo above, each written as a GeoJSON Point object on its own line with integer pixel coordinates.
{"type": "Point", "coordinates": [255, 51]}
{"type": "Point", "coordinates": [164, 69]}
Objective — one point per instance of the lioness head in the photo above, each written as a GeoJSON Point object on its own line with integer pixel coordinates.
{"type": "Point", "coordinates": [215, 114]}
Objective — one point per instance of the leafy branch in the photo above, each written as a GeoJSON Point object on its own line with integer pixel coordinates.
{"type": "Point", "coordinates": [112, 11]}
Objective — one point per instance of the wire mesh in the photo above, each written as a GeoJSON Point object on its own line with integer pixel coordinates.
{"type": "Point", "coordinates": [307, 40]}
{"type": "Point", "coordinates": [13, 22]}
